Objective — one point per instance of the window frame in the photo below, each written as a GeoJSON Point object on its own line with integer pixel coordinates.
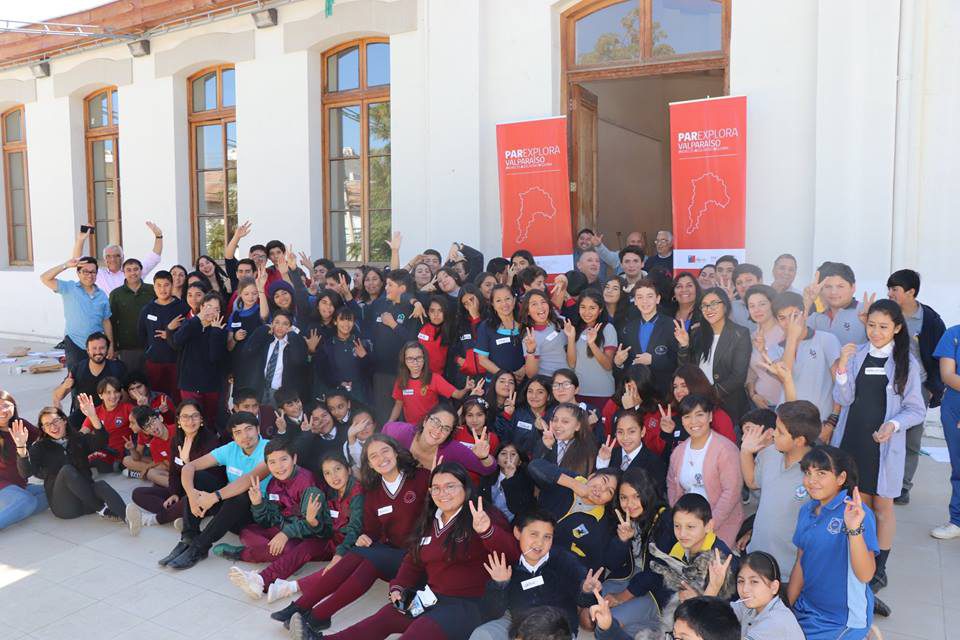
{"type": "Point", "coordinates": [363, 96]}
{"type": "Point", "coordinates": [222, 116]}
{"type": "Point", "coordinates": [8, 148]}
{"type": "Point", "coordinates": [110, 131]}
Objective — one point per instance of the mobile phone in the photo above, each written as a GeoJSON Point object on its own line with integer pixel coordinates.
{"type": "Point", "coordinates": [87, 229]}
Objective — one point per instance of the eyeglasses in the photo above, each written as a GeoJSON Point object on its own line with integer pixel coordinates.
{"type": "Point", "coordinates": [710, 306]}
{"type": "Point", "coordinates": [562, 385]}
{"type": "Point", "coordinates": [414, 359]}
{"type": "Point", "coordinates": [56, 420]}
{"type": "Point", "coordinates": [447, 488]}
{"type": "Point", "coordinates": [435, 423]}
{"type": "Point", "coordinates": [88, 272]}
{"type": "Point", "coordinates": [190, 416]}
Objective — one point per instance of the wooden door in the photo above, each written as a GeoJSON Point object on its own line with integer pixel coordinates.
{"type": "Point", "coordinates": [582, 118]}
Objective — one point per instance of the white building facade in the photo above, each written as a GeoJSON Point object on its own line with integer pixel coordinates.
{"type": "Point", "coordinates": [851, 131]}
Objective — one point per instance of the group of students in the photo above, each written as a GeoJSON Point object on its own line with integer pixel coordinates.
{"type": "Point", "coordinates": [514, 458]}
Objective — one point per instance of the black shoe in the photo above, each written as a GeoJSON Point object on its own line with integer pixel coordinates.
{"type": "Point", "coordinates": [879, 581]}
{"type": "Point", "coordinates": [302, 627]}
{"type": "Point", "coordinates": [902, 499]}
{"type": "Point", "coordinates": [880, 608]}
{"type": "Point", "coordinates": [188, 558]}
{"type": "Point", "coordinates": [177, 550]}
{"type": "Point", "coordinates": [284, 615]}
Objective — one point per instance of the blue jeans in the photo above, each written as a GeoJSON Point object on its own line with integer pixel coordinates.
{"type": "Point", "coordinates": [17, 503]}
{"type": "Point", "coordinates": [949, 418]}
{"type": "Point", "coordinates": [636, 614]}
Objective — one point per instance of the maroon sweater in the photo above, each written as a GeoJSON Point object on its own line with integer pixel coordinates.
{"type": "Point", "coordinates": [462, 577]}
{"type": "Point", "coordinates": [390, 519]}
{"type": "Point", "coordinates": [8, 456]}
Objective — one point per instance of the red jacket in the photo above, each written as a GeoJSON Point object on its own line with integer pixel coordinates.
{"type": "Point", "coordinates": [429, 337]}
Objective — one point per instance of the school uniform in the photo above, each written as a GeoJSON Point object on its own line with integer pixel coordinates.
{"type": "Point", "coordinates": [782, 494]}
{"type": "Point", "coordinates": [282, 510]}
{"type": "Point", "coordinates": [775, 620]}
{"type": "Point", "coordinates": [160, 357]}
{"type": "Point", "coordinates": [313, 447]}
{"type": "Point", "coordinates": [276, 363]}
{"type": "Point", "coordinates": [949, 347]}
{"type": "Point", "coordinates": [503, 347]}
{"type": "Point", "coordinates": [726, 365]}
{"type": "Point", "coordinates": [551, 351]}
{"type": "Point", "coordinates": [387, 343]}
{"type": "Point", "coordinates": [833, 602]}
{"type": "Point", "coordinates": [336, 363]}
{"type": "Point", "coordinates": [581, 528]}
{"type": "Point", "coordinates": [812, 376]}
{"type": "Point", "coordinates": [116, 424]}
{"type": "Point", "coordinates": [639, 458]}
{"type": "Point", "coordinates": [452, 450]}
{"type": "Point", "coordinates": [596, 383]}
{"type": "Point", "coordinates": [555, 581]}
{"type": "Point", "coordinates": [868, 399]}
{"type": "Point", "coordinates": [418, 398]}
{"type": "Point", "coordinates": [519, 428]}
{"type": "Point", "coordinates": [346, 516]}
{"type": "Point", "coordinates": [463, 347]}
{"type": "Point", "coordinates": [202, 353]}
{"type": "Point", "coordinates": [845, 323]}
{"type": "Point", "coordinates": [241, 366]}
{"type": "Point", "coordinates": [430, 336]}
{"type": "Point", "coordinates": [512, 496]}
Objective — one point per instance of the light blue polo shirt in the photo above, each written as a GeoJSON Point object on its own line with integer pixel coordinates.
{"type": "Point", "coordinates": [832, 598]}
{"type": "Point", "coordinates": [83, 313]}
{"type": "Point", "coordinates": [237, 463]}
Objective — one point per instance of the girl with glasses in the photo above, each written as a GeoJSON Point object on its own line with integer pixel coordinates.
{"type": "Point", "coordinates": [417, 387]}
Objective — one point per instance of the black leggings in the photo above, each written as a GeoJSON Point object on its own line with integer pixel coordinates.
{"type": "Point", "coordinates": [75, 495]}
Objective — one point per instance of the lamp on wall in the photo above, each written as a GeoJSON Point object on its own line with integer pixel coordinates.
{"type": "Point", "coordinates": [139, 48]}
{"type": "Point", "coordinates": [40, 69]}
{"type": "Point", "coordinates": [265, 18]}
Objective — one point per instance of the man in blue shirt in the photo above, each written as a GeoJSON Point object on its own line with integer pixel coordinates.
{"type": "Point", "coordinates": [86, 308]}
{"type": "Point", "coordinates": [243, 460]}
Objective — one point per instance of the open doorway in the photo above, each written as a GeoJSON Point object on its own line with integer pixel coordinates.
{"type": "Point", "coordinates": [633, 149]}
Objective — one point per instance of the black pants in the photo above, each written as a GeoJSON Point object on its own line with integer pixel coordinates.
{"type": "Point", "coordinates": [75, 495]}
{"type": "Point", "coordinates": [230, 515]}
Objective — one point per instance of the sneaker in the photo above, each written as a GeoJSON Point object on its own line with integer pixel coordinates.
{"type": "Point", "coordinates": [249, 581]}
{"type": "Point", "coordinates": [902, 499]}
{"type": "Point", "coordinates": [280, 589]}
{"type": "Point", "coordinates": [881, 608]}
{"type": "Point", "coordinates": [284, 615]}
{"type": "Point", "coordinates": [107, 514]}
{"type": "Point", "coordinates": [134, 519]}
{"type": "Point", "coordinates": [133, 475]}
{"type": "Point", "coordinates": [228, 551]}
{"type": "Point", "coordinates": [947, 531]}
{"type": "Point", "coordinates": [178, 525]}
{"type": "Point", "coordinates": [301, 628]}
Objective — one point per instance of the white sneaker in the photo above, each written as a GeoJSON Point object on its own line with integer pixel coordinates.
{"type": "Point", "coordinates": [178, 525]}
{"type": "Point", "coordinates": [249, 581]}
{"type": "Point", "coordinates": [280, 589]}
{"type": "Point", "coordinates": [134, 519]}
{"type": "Point", "coordinates": [946, 531]}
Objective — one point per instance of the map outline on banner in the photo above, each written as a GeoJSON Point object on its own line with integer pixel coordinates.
{"type": "Point", "coordinates": [524, 230]}
{"type": "Point", "coordinates": [693, 225]}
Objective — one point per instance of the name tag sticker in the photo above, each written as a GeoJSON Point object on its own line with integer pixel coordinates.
{"type": "Point", "coordinates": [466, 336]}
{"type": "Point", "coordinates": [233, 471]}
{"type": "Point", "coordinates": [502, 341]}
{"type": "Point", "coordinates": [408, 392]}
{"type": "Point", "coordinates": [423, 336]}
{"type": "Point", "coordinates": [382, 511]}
{"type": "Point", "coordinates": [274, 497]}
{"type": "Point", "coordinates": [178, 461]}
{"type": "Point", "coordinates": [334, 514]}
{"type": "Point", "coordinates": [552, 336]}
{"type": "Point", "coordinates": [874, 371]}
{"type": "Point", "coordinates": [151, 317]}
{"type": "Point", "coordinates": [236, 325]}
{"type": "Point", "coordinates": [425, 541]}
{"type": "Point", "coordinates": [524, 425]}
{"type": "Point", "coordinates": [536, 581]}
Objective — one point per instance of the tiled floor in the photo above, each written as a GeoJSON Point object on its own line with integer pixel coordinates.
{"type": "Point", "coordinates": [87, 578]}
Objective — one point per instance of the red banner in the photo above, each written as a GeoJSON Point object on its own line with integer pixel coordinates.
{"type": "Point", "coordinates": [708, 176]}
{"type": "Point", "coordinates": [535, 191]}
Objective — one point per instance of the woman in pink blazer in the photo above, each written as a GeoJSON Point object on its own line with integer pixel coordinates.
{"type": "Point", "coordinates": [708, 464]}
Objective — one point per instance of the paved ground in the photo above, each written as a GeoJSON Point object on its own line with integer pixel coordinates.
{"type": "Point", "coordinates": [88, 578]}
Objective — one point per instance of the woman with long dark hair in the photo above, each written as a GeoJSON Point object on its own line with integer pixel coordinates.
{"type": "Point", "coordinates": [437, 335]}
{"type": "Point", "coordinates": [499, 345]}
{"type": "Point", "coordinates": [567, 440]}
{"type": "Point", "coordinates": [595, 343]}
{"type": "Point", "coordinates": [214, 274]}
{"type": "Point", "coordinates": [546, 336]}
{"type": "Point", "coordinates": [686, 295]}
{"type": "Point", "coordinates": [470, 311]}
{"type": "Point", "coordinates": [394, 494]}
{"type": "Point", "coordinates": [18, 498]}
{"type": "Point", "coordinates": [178, 274]}
{"type": "Point", "coordinates": [879, 390]}
{"type": "Point", "coordinates": [452, 540]}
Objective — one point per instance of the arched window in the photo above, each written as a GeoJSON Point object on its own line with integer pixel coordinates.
{"type": "Point", "coordinates": [103, 166]}
{"type": "Point", "coordinates": [356, 120]}
{"type": "Point", "coordinates": [211, 109]}
{"type": "Point", "coordinates": [629, 32]}
{"type": "Point", "coordinates": [17, 191]}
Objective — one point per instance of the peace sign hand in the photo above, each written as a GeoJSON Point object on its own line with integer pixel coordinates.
{"type": "Point", "coordinates": [759, 342]}
{"type": "Point", "coordinates": [812, 291]}
{"type": "Point", "coordinates": [280, 422]}
{"type": "Point", "coordinates": [606, 450]}
{"type": "Point", "coordinates": [314, 504]}
{"type": "Point", "coordinates": [600, 612]}
{"type": "Point", "coordinates": [868, 300]}
{"type": "Point", "coordinates": [256, 496]}
{"type": "Point", "coordinates": [591, 332]}
{"type": "Point", "coordinates": [621, 355]}
{"type": "Point", "coordinates": [631, 396]}
{"type": "Point", "coordinates": [478, 390]}
{"type": "Point", "coordinates": [481, 444]}
{"type": "Point", "coordinates": [625, 528]}
{"type": "Point", "coordinates": [680, 333]}
{"type": "Point", "coordinates": [667, 425]}
{"type": "Point", "coordinates": [498, 568]}
{"type": "Point", "coordinates": [853, 513]}
{"type": "Point", "coordinates": [529, 342]}
{"type": "Point", "coordinates": [549, 437]}
{"type": "Point", "coordinates": [569, 330]}
{"type": "Point", "coordinates": [718, 571]}
{"type": "Point", "coordinates": [510, 404]}
{"type": "Point", "coordinates": [592, 581]}
{"type": "Point", "coordinates": [358, 349]}
{"type": "Point", "coordinates": [481, 521]}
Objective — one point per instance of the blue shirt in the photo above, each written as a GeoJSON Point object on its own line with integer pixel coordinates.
{"type": "Point", "coordinates": [237, 463]}
{"type": "Point", "coordinates": [83, 312]}
{"type": "Point", "coordinates": [949, 347]}
{"type": "Point", "coordinates": [646, 330]}
{"type": "Point", "coordinates": [502, 346]}
{"type": "Point", "coordinates": [833, 598]}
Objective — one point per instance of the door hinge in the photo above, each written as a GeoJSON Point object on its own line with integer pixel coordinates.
{"type": "Point", "coordinates": [573, 187]}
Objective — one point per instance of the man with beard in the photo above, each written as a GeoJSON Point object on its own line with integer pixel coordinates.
{"type": "Point", "coordinates": [87, 374]}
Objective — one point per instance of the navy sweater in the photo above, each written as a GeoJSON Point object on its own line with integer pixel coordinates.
{"type": "Point", "coordinates": [202, 352]}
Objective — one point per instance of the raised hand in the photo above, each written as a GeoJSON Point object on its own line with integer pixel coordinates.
{"type": "Point", "coordinates": [631, 395]}
{"type": "Point", "coordinates": [481, 520]}
{"type": "Point", "coordinates": [312, 340]}
{"type": "Point", "coordinates": [481, 444]}
{"type": "Point", "coordinates": [549, 437]}
{"type": "Point", "coordinates": [256, 496]}
{"type": "Point", "coordinates": [529, 341]}
{"type": "Point", "coordinates": [19, 433]}
{"type": "Point", "coordinates": [606, 450]}
{"type": "Point", "coordinates": [358, 349]}
{"type": "Point", "coordinates": [478, 390]}
{"type": "Point", "coordinates": [853, 513]}
{"type": "Point", "coordinates": [600, 612]}
{"type": "Point", "coordinates": [87, 407]}
{"type": "Point", "coordinates": [667, 424]}
{"type": "Point", "coordinates": [472, 305]}
{"type": "Point", "coordinates": [510, 404]}
{"type": "Point", "coordinates": [755, 438]}
{"type": "Point", "coordinates": [868, 300]}
{"type": "Point", "coordinates": [718, 571]}
{"type": "Point", "coordinates": [261, 278]}
{"type": "Point", "coordinates": [157, 232]}
{"type": "Point", "coordinates": [812, 291]}
{"type": "Point", "coordinates": [243, 230]}
{"type": "Point", "coordinates": [128, 443]}
{"type": "Point", "coordinates": [277, 543]}
{"type": "Point", "coordinates": [280, 422]}
{"type": "Point", "coordinates": [591, 332]}
{"type": "Point", "coordinates": [625, 527]}
{"type": "Point", "coordinates": [759, 342]}
{"type": "Point", "coordinates": [498, 568]}
{"type": "Point", "coordinates": [621, 355]}
{"type": "Point", "coordinates": [314, 505]}
{"type": "Point", "coordinates": [569, 330]}
{"type": "Point", "coordinates": [291, 258]}
{"type": "Point", "coordinates": [680, 333]}
{"type": "Point", "coordinates": [884, 433]}
{"type": "Point", "coordinates": [847, 352]}
{"type": "Point", "coordinates": [596, 239]}
{"type": "Point", "coordinates": [797, 327]}
{"type": "Point", "coordinates": [396, 239]}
